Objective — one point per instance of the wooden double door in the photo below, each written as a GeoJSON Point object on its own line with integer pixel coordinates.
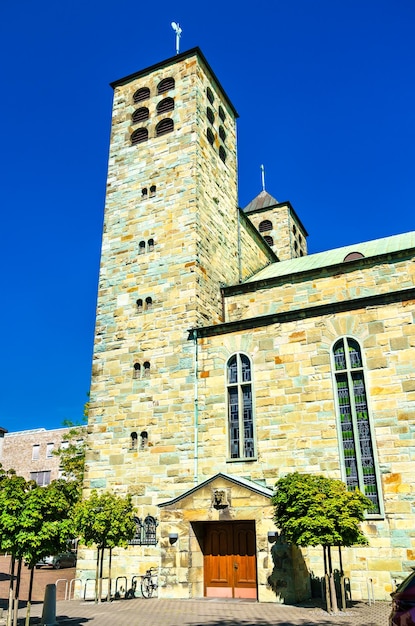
{"type": "Point", "coordinates": [230, 560]}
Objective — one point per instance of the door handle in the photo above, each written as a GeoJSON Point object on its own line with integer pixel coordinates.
{"type": "Point", "coordinates": [235, 566]}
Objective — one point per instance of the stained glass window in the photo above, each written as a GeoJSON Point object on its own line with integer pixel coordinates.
{"type": "Point", "coordinates": [353, 414]}
{"type": "Point", "coordinates": [240, 410]}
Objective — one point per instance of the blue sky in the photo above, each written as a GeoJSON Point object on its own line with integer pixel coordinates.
{"type": "Point", "coordinates": [325, 92]}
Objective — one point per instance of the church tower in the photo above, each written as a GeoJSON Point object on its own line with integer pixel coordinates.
{"type": "Point", "coordinates": [170, 240]}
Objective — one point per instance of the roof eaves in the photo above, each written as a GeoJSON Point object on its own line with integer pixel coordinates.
{"type": "Point", "coordinates": [255, 487]}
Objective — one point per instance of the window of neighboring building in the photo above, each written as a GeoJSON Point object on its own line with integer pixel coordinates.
{"type": "Point", "coordinates": [49, 450]}
{"type": "Point", "coordinates": [210, 136]}
{"type": "Point", "coordinates": [240, 408]}
{"type": "Point", "coordinates": [35, 452]}
{"type": "Point", "coordinates": [134, 440]}
{"type": "Point", "coordinates": [140, 115]}
{"type": "Point", "coordinates": [145, 534]}
{"type": "Point", "coordinates": [139, 136]}
{"type": "Point", "coordinates": [144, 192]}
{"type": "Point", "coordinates": [222, 153]}
{"type": "Point", "coordinates": [210, 115]}
{"type": "Point", "coordinates": [153, 190]}
{"type": "Point", "coordinates": [139, 304]}
{"type": "Point", "coordinates": [141, 94]}
{"type": "Point", "coordinates": [146, 369]}
{"type": "Point", "coordinates": [222, 133]}
{"type": "Point", "coordinates": [150, 245]}
{"type": "Point", "coordinates": [264, 226]}
{"type": "Point", "coordinates": [149, 305]}
{"type": "Point", "coordinates": [165, 85]}
{"type": "Point", "coordinates": [167, 104]}
{"type": "Point", "coordinates": [269, 240]}
{"type": "Point", "coordinates": [141, 247]}
{"type": "Point", "coordinates": [137, 370]}
{"type": "Point", "coordinates": [222, 114]}
{"type": "Point", "coordinates": [41, 478]}
{"type": "Point", "coordinates": [357, 446]}
{"type": "Point", "coordinates": [164, 127]}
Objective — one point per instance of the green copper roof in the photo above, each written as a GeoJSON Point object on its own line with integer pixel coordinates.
{"type": "Point", "coordinates": [319, 260]}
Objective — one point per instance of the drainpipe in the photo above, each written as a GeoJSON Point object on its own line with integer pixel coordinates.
{"type": "Point", "coordinates": [239, 244]}
{"type": "Point", "coordinates": [193, 335]}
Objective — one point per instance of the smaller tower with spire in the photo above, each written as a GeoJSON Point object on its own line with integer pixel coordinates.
{"type": "Point", "coordinates": [278, 223]}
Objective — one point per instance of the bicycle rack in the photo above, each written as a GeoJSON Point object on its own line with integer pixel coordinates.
{"type": "Point", "coordinates": [348, 589]}
{"type": "Point", "coordinates": [72, 588]}
{"type": "Point", "coordinates": [370, 592]}
{"type": "Point", "coordinates": [134, 584]}
{"type": "Point", "coordinates": [116, 586]}
{"type": "Point", "coordinates": [62, 580]}
{"type": "Point", "coordinates": [88, 580]}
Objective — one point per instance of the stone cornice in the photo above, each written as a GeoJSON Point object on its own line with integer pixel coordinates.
{"type": "Point", "coordinates": [308, 312]}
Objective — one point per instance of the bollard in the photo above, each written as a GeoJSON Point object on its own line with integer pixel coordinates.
{"type": "Point", "coordinates": [49, 607]}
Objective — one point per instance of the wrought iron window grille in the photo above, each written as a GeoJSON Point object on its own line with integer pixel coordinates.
{"type": "Point", "coordinates": [145, 534]}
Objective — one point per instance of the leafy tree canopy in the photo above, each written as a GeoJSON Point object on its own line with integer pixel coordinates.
{"type": "Point", "coordinates": [71, 453]}
{"type": "Point", "coordinates": [35, 521]}
{"type": "Point", "coordinates": [105, 519]}
{"type": "Point", "coordinates": [313, 510]}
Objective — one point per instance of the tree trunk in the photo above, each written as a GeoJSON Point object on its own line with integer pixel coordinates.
{"type": "Point", "coordinates": [11, 587]}
{"type": "Point", "coordinates": [96, 577]}
{"type": "Point", "coordinates": [16, 595]}
{"type": "Point", "coordinates": [109, 575]}
{"type": "Point", "coordinates": [332, 584]}
{"type": "Point", "coordinates": [326, 581]}
{"type": "Point", "coordinates": [29, 600]}
{"type": "Point", "coordinates": [100, 575]}
{"type": "Point", "coordinates": [342, 586]}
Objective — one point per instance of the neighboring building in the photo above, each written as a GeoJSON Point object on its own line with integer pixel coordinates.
{"type": "Point", "coordinates": [30, 453]}
{"type": "Point", "coordinates": [225, 357]}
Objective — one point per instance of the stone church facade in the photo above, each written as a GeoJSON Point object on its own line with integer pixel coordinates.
{"type": "Point", "coordinates": [225, 357]}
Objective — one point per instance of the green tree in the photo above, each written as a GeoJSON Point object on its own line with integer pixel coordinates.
{"type": "Point", "coordinates": [313, 510]}
{"type": "Point", "coordinates": [71, 452]}
{"type": "Point", "coordinates": [13, 490]}
{"type": "Point", "coordinates": [105, 520]}
{"type": "Point", "coordinates": [34, 521]}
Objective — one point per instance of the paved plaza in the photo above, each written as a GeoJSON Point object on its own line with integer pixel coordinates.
{"type": "Point", "coordinates": [155, 612]}
{"type": "Point", "coordinates": [163, 612]}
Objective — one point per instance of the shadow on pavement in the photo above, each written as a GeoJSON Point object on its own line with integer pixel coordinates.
{"type": "Point", "coordinates": [61, 619]}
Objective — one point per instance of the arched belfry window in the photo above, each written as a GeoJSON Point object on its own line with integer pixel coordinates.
{"type": "Point", "coordinates": [240, 409]}
{"type": "Point", "coordinates": [165, 126]}
{"type": "Point", "coordinates": [139, 135]}
{"type": "Point", "coordinates": [264, 226]}
{"type": "Point", "coordinates": [141, 94]}
{"type": "Point", "coordinates": [357, 446]}
{"type": "Point", "coordinates": [140, 115]}
{"type": "Point", "coordinates": [165, 85]}
{"type": "Point", "coordinates": [167, 104]}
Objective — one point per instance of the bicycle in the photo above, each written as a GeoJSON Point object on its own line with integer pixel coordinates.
{"type": "Point", "coordinates": [149, 582]}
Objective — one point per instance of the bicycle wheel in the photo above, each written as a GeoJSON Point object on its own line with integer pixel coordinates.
{"type": "Point", "coordinates": [146, 587]}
